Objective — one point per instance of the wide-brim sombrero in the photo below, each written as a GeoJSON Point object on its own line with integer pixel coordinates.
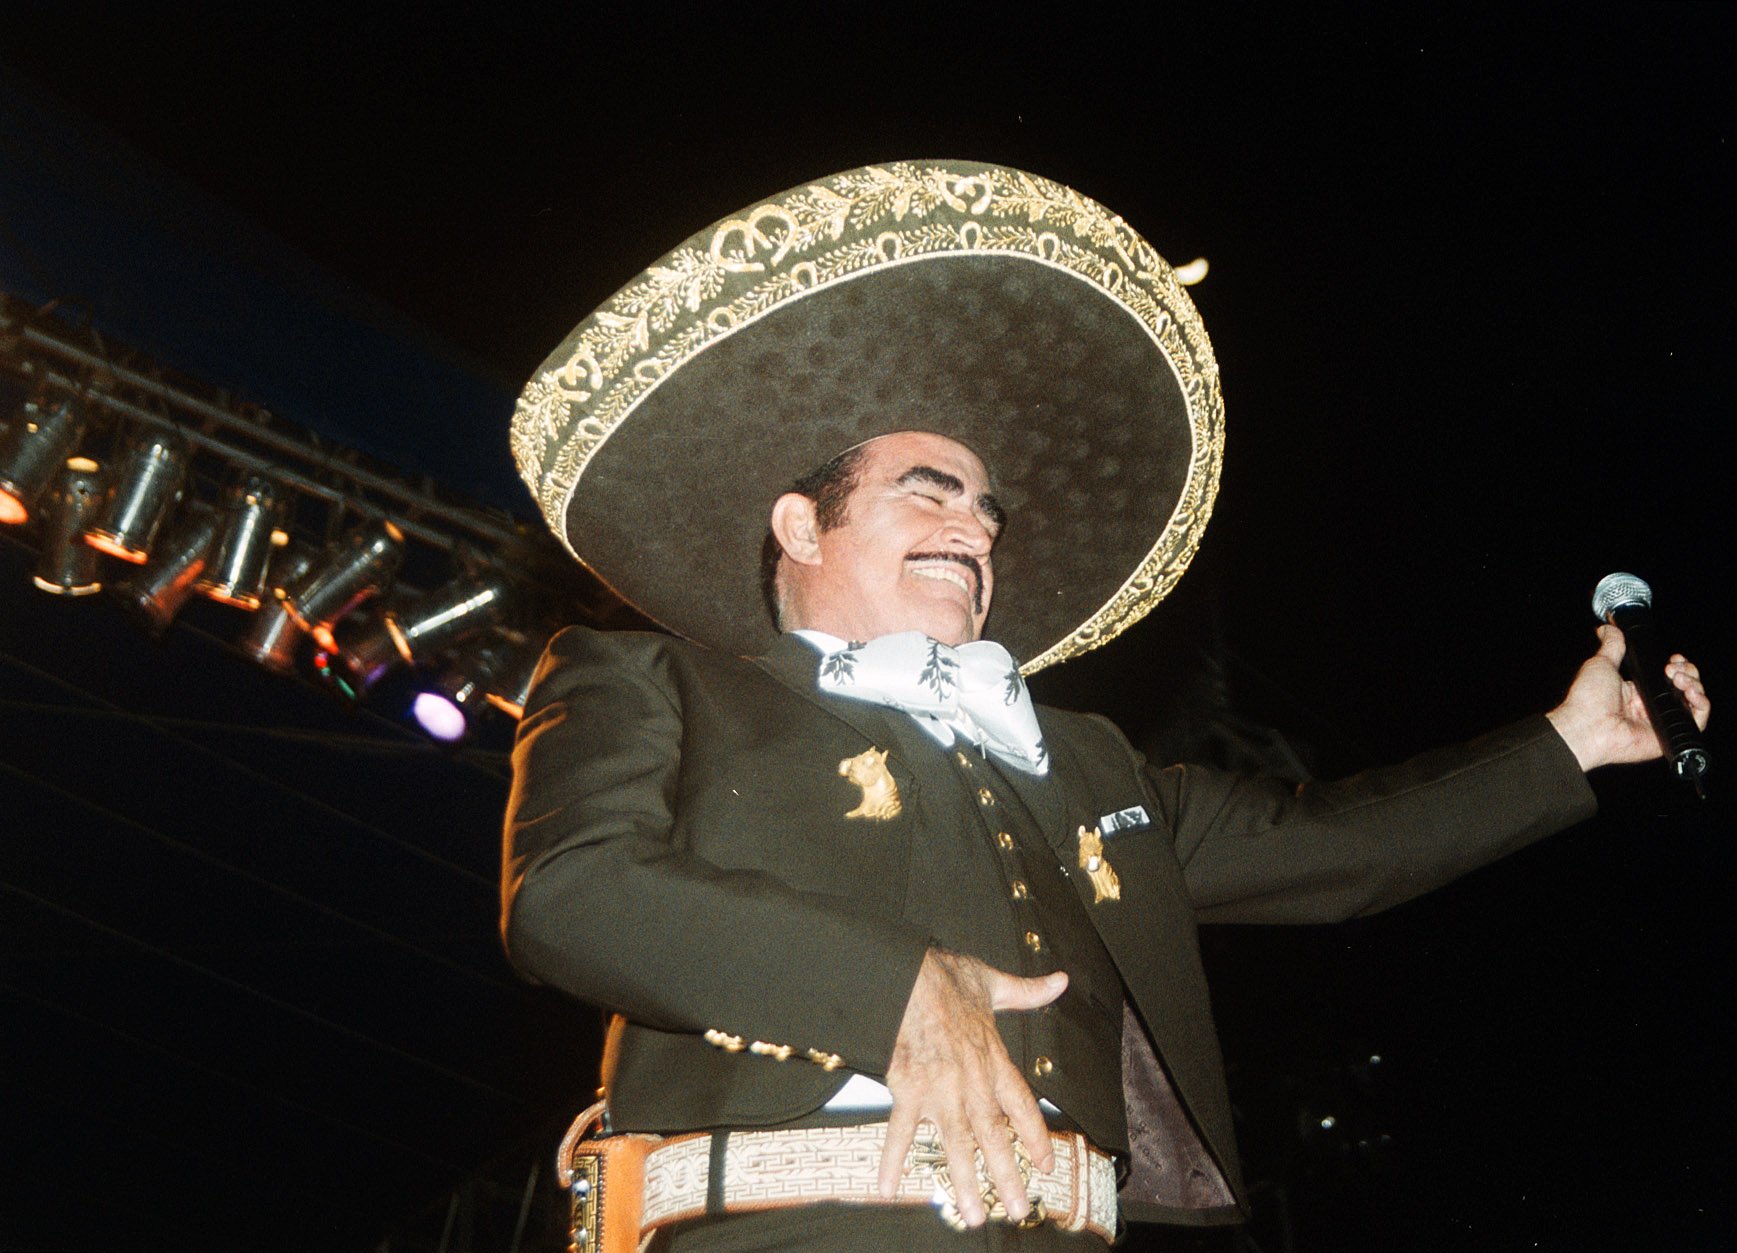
{"type": "Point", "coordinates": [1004, 310]}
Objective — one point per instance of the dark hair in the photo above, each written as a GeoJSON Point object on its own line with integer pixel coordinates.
{"type": "Point", "coordinates": [829, 487]}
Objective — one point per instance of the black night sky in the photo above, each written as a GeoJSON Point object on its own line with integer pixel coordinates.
{"type": "Point", "coordinates": [1470, 293]}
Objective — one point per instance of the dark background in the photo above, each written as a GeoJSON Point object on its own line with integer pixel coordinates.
{"type": "Point", "coordinates": [1470, 294]}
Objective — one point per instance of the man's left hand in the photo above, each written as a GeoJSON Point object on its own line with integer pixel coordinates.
{"type": "Point", "coordinates": [950, 1068]}
{"type": "Point", "coordinates": [1603, 719]}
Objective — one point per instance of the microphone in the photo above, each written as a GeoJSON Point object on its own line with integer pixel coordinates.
{"type": "Point", "coordinates": [1627, 603]}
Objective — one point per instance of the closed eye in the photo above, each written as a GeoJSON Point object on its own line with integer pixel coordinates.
{"type": "Point", "coordinates": [988, 509]}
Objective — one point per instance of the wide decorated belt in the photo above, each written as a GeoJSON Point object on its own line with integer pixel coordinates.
{"type": "Point", "coordinates": [623, 1187]}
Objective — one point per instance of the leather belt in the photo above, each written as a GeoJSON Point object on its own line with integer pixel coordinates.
{"type": "Point", "coordinates": [764, 1170]}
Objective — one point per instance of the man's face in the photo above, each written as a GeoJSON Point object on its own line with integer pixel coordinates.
{"type": "Point", "coordinates": [913, 553]}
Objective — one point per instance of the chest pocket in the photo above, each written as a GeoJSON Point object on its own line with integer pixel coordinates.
{"type": "Point", "coordinates": [1133, 818]}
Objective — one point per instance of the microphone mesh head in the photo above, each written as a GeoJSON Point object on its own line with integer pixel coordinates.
{"type": "Point", "coordinates": [1616, 590]}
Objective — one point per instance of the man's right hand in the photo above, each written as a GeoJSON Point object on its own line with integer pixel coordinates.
{"type": "Point", "coordinates": [949, 1067]}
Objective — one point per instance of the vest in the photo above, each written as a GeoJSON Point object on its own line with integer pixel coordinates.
{"type": "Point", "coordinates": [994, 890]}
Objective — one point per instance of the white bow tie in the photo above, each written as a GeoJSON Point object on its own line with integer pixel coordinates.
{"type": "Point", "coordinates": [974, 691]}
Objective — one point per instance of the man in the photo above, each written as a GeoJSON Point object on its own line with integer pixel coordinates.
{"type": "Point", "coordinates": [891, 951]}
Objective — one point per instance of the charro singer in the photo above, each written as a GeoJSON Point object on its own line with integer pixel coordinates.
{"type": "Point", "coordinates": [894, 957]}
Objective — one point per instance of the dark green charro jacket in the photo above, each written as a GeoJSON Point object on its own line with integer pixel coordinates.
{"type": "Point", "coordinates": [678, 851]}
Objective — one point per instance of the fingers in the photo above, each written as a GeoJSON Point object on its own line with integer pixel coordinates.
{"type": "Point", "coordinates": [961, 1139]}
{"type": "Point", "coordinates": [950, 1068]}
{"type": "Point", "coordinates": [1611, 644]}
{"type": "Point", "coordinates": [966, 1124]}
{"type": "Point", "coordinates": [1679, 664]}
{"type": "Point", "coordinates": [1603, 719]}
{"type": "Point", "coordinates": [1002, 1167]}
{"type": "Point", "coordinates": [901, 1131]}
{"type": "Point", "coordinates": [986, 1131]}
{"type": "Point", "coordinates": [960, 1146]}
{"type": "Point", "coordinates": [1686, 675]}
{"type": "Point", "coordinates": [1013, 992]}
{"type": "Point", "coordinates": [1027, 1122]}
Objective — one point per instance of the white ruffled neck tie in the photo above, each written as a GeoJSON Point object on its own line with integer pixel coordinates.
{"type": "Point", "coordinates": [973, 692]}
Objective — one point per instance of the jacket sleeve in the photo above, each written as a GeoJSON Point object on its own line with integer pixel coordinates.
{"type": "Point", "coordinates": [1261, 850]}
{"type": "Point", "coordinates": [601, 900]}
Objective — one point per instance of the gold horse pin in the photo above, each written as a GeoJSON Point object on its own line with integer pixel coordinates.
{"type": "Point", "coordinates": [880, 795]}
{"type": "Point", "coordinates": [1105, 885]}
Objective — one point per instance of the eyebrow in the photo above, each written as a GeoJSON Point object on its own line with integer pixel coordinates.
{"type": "Point", "coordinates": [953, 485]}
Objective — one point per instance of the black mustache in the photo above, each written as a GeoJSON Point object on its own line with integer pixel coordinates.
{"type": "Point", "coordinates": [969, 562]}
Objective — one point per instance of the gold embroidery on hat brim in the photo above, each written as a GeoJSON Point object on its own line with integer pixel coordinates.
{"type": "Point", "coordinates": [845, 226]}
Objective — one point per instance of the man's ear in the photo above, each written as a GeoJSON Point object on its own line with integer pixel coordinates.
{"type": "Point", "coordinates": [797, 528]}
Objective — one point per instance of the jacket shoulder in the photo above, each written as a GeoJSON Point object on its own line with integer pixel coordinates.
{"type": "Point", "coordinates": [1092, 733]}
{"type": "Point", "coordinates": [583, 644]}
{"type": "Point", "coordinates": [581, 655]}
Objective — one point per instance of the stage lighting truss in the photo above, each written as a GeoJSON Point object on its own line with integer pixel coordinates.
{"type": "Point", "coordinates": [116, 471]}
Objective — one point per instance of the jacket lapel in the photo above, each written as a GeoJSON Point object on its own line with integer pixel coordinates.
{"type": "Point", "coordinates": [796, 665]}
{"type": "Point", "coordinates": [1070, 798]}
{"type": "Point", "coordinates": [1044, 797]}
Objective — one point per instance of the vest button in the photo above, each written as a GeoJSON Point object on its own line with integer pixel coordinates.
{"type": "Point", "coordinates": [1034, 941]}
{"type": "Point", "coordinates": [963, 760]}
{"type": "Point", "coordinates": [985, 796]}
{"type": "Point", "coordinates": [1005, 840]}
{"type": "Point", "coordinates": [1019, 890]}
{"type": "Point", "coordinates": [1041, 1066]}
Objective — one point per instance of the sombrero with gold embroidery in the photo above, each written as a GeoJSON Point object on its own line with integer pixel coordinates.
{"type": "Point", "coordinates": [1004, 310]}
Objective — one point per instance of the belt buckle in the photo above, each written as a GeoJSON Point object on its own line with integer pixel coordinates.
{"type": "Point", "coordinates": [926, 1152]}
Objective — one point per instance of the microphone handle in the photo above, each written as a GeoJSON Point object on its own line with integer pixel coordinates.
{"type": "Point", "coordinates": [1645, 666]}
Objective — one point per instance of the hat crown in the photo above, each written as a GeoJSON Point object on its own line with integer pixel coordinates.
{"type": "Point", "coordinates": [985, 303]}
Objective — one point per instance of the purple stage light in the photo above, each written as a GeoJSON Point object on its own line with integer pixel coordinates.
{"type": "Point", "coordinates": [438, 716]}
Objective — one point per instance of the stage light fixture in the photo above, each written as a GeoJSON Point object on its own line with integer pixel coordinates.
{"type": "Point", "coordinates": [439, 715]}
{"type": "Point", "coordinates": [68, 566]}
{"type": "Point", "coordinates": [235, 573]}
{"type": "Point", "coordinates": [360, 566]}
{"type": "Point", "coordinates": [447, 615]}
{"type": "Point", "coordinates": [165, 583]}
{"type": "Point", "coordinates": [418, 632]}
{"type": "Point", "coordinates": [445, 711]}
{"type": "Point", "coordinates": [357, 666]}
{"type": "Point", "coordinates": [147, 487]}
{"type": "Point", "coordinates": [33, 453]}
{"type": "Point", "coordinates": [274, 635]}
